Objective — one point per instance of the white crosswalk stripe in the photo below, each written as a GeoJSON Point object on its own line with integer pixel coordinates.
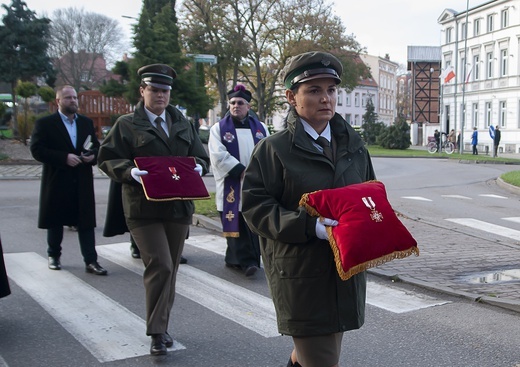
{"type": "Point", "coordinates": [107, 329]}
{"type": "Point", "coordinates": [111, 332]}
{"type": "Point", "coordinates": [238, 304]}
{"type": "Point", "coordinates": [513, 219]}
{"type": "Point", "coordinates": [418, 198]}
{"type": "Point", "coordinates": [487, 227]}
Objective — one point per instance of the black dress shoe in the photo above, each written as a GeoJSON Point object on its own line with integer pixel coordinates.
{"type": "Point", "coordinates": [158, 348]}
{"type": "Point", "coordinates": [95, 268]}
{"type": "Point", "coordinates": [134, 251]}
{"type": "Point", "coordinates": [167, 339]}
{"type": "Point", "coordinates": [183, 260]}
{"type": "Point", "coordinates": [251, 270]}
{"type": "Point", "coordinates": [54, 263]}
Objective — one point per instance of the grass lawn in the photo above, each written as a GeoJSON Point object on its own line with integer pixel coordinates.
{"type": "Point", "coordinates": [512, 178]}
{"type": "Point", "coordinates": [207, 207]}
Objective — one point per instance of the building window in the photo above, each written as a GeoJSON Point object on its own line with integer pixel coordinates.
{"type": "Point", "coordinates": [348, 118]}
{"type": "Point", "coordinates": [476, 67]}
{"type": "Point", "coordinates": [504, 18]}
{"type": "Point", "coordinates": [340, 98]}
{"type": "Point", "coordinates": [503, 113]}
{"type": "Point", "coordinates": [348, 99]}
{"type": "Point", "coordinates": [503, 62]}
{"type": "Point", "coordinates": [476, 27]}
{"type": "Point", "coordinates": [489, 65]}
{"type": "Point", "coordinates": [449, 34]}
{"type": "Point", "coordinates": [363, 100]}
{"type": "Point", "coordinates": [356, 120]}
{"type": "Point", "coordinates": [490, 25]}
{"type": "Point", "coordinates": [474, 114]}
{"type": "Point", "coordinates": [488, 114]}
{"type": "Point", "coordinates": [463, 31]}
{"type": "Point", "coordinates": [356, 99]}
{"type": "Point", "coordinates": [463, 69]}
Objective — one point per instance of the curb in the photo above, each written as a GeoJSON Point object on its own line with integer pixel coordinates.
{"type": "Point", "coordinates": [508, 304]}
{"type": "Point", "coordinates": [509, 187]}
{"type": "Point", "coordinates": [512, 305]}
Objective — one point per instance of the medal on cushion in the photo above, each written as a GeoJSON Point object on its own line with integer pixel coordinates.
{"type": "Point", "coordinates": [374, 214]}
{"type": "Point", "coordinates": [173, 171]}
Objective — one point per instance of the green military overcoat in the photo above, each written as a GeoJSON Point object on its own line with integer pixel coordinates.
{"type": "Point", "coordinates": [309, 296]}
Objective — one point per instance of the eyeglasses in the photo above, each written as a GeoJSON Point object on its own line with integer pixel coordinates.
{"type": "Point", "coordinates": [238, 103]}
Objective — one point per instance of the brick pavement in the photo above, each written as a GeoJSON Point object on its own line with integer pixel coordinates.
{"type": "Point", "coordinates": [451, 261]}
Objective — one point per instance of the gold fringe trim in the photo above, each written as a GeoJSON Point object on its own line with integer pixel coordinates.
{"type": "Point", "coordinates": [231, 234]}
{"type": "Point", "coordinates": [345, 275]}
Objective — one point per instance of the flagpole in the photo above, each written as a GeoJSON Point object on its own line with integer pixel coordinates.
{"type": "Point", "coordinates": [463, 118]}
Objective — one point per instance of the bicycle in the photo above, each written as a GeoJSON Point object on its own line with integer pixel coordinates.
{"type": "Point", "coordinates": [448, 147]}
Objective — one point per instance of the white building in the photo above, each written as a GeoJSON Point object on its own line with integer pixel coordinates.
{"type": "Point", "coordinates": [483, 45]}
{"type": "Point", "coordinates": [352, 105]}
{"type": "Point", "coordinates": [384, 72]}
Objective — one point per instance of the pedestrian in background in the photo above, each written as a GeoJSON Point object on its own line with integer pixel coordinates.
{"type": "Point", "coordinates": [66, 143]}
{"type": "Point", "coordinates": [496, 141]}
{"type": "Point", "coordinates": [317, 150]}
{"type": "Point", "coordinates": [474, 140]}
{"type": "Point", "coordinates": [230, 145]}
{"type": "Point", "coordinates": [159, 228]}
{"type": "Point", "coordinates": [452, 138]}
{"type": "Point", "coordinates": [437, 137]}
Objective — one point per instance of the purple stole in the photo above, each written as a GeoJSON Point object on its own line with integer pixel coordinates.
{"type": "Point", "coordinates": [230, 213]}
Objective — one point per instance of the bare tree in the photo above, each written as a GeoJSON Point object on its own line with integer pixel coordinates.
{"type": "Point", "coordinates": [82, 43]}
{"type": "Point", "coordinates": [256, 37]}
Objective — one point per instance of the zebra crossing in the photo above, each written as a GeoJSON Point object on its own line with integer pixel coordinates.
{"type": "Point", "coordinates": [500, 230]}
{"type": "Point", "coordinates": [111, 332]}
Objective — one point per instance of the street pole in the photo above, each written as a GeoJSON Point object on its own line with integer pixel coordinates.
{"type": "Point", "coordinates": [463, 119]}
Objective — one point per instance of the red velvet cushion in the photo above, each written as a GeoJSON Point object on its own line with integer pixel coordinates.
{"type": "Point", "coordinates": [368, 233]}
{"type": "Point", "coordinates": [171, 178]}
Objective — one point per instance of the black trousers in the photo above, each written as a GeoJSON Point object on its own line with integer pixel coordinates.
{"type": "Point", "coordinates": [244, 250]}
{"type": "Point", "coordinates": [87, 243]}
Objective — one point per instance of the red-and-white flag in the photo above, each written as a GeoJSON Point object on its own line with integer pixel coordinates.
{"type": "Point", "coordinates": [469, 74]}
{"type": "Point", "coordinates": [448, 74]}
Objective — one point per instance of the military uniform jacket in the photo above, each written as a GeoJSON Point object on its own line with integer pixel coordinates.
{"type": "Point", "coordinates": [66, 193]}
{"type": "Point", "coordinates": [309, 296]}
{"type": "Point", "coordinates": [133, 136]}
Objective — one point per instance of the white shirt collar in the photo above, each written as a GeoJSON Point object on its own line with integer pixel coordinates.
{"type": "Point", "coordinates": [310, 130]}
{"type": "Point", "coordinates": [152, 116]}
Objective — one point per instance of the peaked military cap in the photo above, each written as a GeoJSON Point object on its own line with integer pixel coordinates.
{"type": "Point", "coordinates": [157, 75]}
{"type": "Point", "coordinates": [240, 91]}
{"type": "Point", "coordinates": [311, 65]}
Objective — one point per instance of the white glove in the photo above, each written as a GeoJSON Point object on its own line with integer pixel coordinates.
{"type": "Point", "coordinates": [137, 173]}
{"type": "Point", "coordinates": [321, 231]}
{"type": "Point", "coordinates": [198, 168]}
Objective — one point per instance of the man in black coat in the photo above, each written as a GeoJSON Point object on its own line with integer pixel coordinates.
{"type": "Point", "coordinates": [496, 141]}
{"type": "Point", "coordinates": [65, 142]}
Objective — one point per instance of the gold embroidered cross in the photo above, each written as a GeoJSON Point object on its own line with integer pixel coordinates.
{"type": "Point", "coordinates": [230, 216]}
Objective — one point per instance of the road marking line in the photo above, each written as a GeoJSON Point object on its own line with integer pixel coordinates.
{"type": "Point", "coordinates": [420, 198]}
{"type": "Point", "coordinates": [493, 196]}
{"type": "Point", "coordinates": [487, 227]}
{"type": "Point", "coordinates": [513, 219]}
{"type": "Point", "coordinates": [247, 308]}
{"type": "Point", "coordinates": [106, 329]}
{"type": "Point", "coordinates": [398, 301]}
{"type": "Point", "coordinates": [457, 197]}
{"type": "Point", "coordinates": [213, 243]}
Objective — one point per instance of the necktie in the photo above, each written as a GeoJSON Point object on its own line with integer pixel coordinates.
{"type": "Point", "coordinates": [159, 126]}
{"type": "Point", "coordinates": [327, 150]}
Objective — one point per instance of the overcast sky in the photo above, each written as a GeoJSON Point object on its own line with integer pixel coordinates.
{"type": "Point", "coordinates": [382, 26]}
